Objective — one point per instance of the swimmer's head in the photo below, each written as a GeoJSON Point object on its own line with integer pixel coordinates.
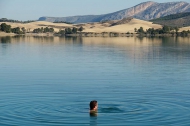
{"type": "Point", "coordinates": [93, 105]}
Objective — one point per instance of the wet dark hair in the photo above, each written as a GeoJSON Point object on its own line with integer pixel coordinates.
{"type": "Point", "coordinates": [93, 104]}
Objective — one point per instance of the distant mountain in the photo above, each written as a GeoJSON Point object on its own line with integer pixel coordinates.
{"type": "Point", "coordinates": [144, 11]}
{"type": "Point", "coordinates": [179, 20]}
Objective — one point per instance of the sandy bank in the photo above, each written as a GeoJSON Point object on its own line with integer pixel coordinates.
{"type": "Point", "coordinates": [6, 34]}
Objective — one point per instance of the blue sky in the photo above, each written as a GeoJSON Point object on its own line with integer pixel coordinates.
{"type": "Point", "coordinates": [33, 9]}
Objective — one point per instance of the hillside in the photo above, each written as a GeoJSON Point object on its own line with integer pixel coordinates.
{"type": "Point", "coordinates": [144, 11]}
{"type": "Point", "coordinates": [175, 20]}
{"type": "Point", "coordinates": [38, 24]}
{"type": "Point", "coordinates": [121, 26]}
{"type": "Point", "coordinates": [116, 26]}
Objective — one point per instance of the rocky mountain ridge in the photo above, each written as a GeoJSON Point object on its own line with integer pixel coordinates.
{"type": "Point", "coordinates": [144, 11]}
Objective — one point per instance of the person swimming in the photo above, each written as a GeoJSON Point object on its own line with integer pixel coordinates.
{"type": "Point", "coordinates": [93, 106]}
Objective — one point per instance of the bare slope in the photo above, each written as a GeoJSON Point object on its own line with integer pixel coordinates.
{"type": "Point", "coordinates": [144, 11]}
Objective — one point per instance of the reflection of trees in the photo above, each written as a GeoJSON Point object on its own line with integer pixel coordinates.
{"type": "Point", "coordinates": [74, 39]}
{"type": "Point", "coordinates": [6, 39]}
{"type": "Point", "coordinates": [140, 38]}
{"type": "Point", "coordinates": [44, 38]}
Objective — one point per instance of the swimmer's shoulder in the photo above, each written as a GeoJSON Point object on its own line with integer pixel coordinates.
{"type": "Point", "coordinates": [93, 111]}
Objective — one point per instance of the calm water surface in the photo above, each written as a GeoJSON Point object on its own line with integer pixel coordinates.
{"type": "Point", "coordinates": [49, 81]}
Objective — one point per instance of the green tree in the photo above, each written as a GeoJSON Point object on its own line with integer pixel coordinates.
{"type": "Point", "coordinates": [46, 29]}
{"type": "Point", "coordinates": [74, 30]}
{"type": "Point", "coordinates": [151, 31]}
{"type": "Point", "coordinates": [81, 29]}
{"type": "Point", "coordinates": [62, 32]}
{"type": "Point", "coordinates": [36, 30]}
{"type": "Point", "coordinates": [51, 30]}
{"type": "Point", "coordinates": [43, 30]}
{"type": "Point", "coordinates": [166, 29]}
{"type": "Point", "coordinates": [141, 30]}
{"type": "Point", "coordinates": [23, 30]}
{"type": "Point", "coordinates": [5, 28]}
{"type": "Point", "coordinates": [68, 31]}
{"type": "Point", "coordinates": [16, 30]}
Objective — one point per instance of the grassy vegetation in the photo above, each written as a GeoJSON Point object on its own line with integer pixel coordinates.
{"type": "Point", "coordinates": [43, 30]}
{"type": "Point", "coordinates": [70, 31]}
{"type": "Point", "coordinates": [165, 30]}
{"type": "Point", "coordinates": [7, 28]}
{"type": "Point", "coordinates": [174, 20]}
{"type": "Point", "coordinates": [173, 16]}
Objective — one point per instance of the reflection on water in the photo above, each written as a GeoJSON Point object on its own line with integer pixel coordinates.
{"type": "Point", "coordinates": [134, 47]}
{"type": "Point", "coordinates": [136, 81]}
{"type": "Point", "coordinates": [6, 39]}
{"type": "Point", "coordinates": [121, 42]}
{"type": "Point", "coordinates": [97, 40]}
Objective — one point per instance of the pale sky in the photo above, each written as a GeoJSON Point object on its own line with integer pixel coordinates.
{"type": "Point", "coordinates": [33, 9]}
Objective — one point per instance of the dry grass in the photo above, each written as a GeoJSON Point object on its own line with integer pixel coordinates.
{"type": "Point", "coordinates": [120, 26]}
{"type": "Point", "coordinates": [184, 28]}
{"type": "Point", "coordinates": [33, 25]}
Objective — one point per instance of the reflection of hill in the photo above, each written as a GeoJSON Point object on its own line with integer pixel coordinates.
{"type": "Point", "coordinates": [139, 49]}
{"type": "Point", "coordinates": [123, 42]}
{"type": "Point", "coordinates": [109, 41]}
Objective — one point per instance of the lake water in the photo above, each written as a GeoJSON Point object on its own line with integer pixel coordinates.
{"type": "Point", "coordinates": [49, 81]}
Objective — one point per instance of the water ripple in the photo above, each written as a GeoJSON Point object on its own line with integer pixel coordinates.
{"type": "Point", "coordinates": [162, 110]}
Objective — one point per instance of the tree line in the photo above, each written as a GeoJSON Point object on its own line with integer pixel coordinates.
{"type": "Point", "coordinates": [43, 30]}
{"type": "Point", "coordinates": [163, 30]}
{"type": "Point", "coordinates": [15, 21]}
{"type": "Point", "coordinates": [7, 28]}
{"type": "Point", "coordinates": [70, 30]}
{"type": "Point", "coordinates": [62, 22]}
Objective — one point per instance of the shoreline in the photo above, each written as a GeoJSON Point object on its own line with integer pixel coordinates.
{"type": "Point", "coordinates": [89, 34]}
{"type": "Point", "coordinates": [3, 34]}
{"type": "Point", "coordinates": [129, 27]}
